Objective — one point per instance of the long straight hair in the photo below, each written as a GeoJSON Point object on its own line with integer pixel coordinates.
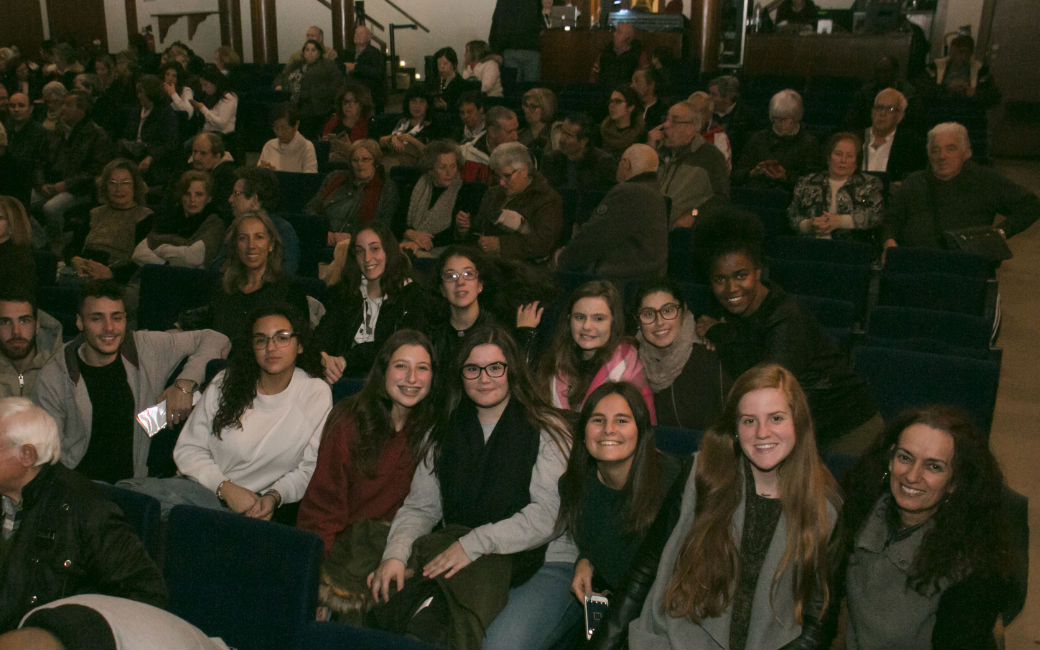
{"type": "Point", "coordinates": [397, 271]}
{"type": "Point", "coordinates": [643, 490]}
{"type": "Point", "coordinates": [235, 272]}
{"type": "Point", "coordinates": [564, 356]}
{"type": "Point", "coordinates": [371, 407]}
{"type": "Point", "coordinates": [706, 568]}
{"type": "Point", "coordinates": [17, 220]}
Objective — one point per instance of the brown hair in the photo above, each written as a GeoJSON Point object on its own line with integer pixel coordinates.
{"type": "Point", "coordinates": [706, 568]}
{"type": "Point", "coordinates": [18, 220]}
{"type": "Point", "coordinates": [234, 271]}
{"type": "Point", "coordinates": [140, 188]}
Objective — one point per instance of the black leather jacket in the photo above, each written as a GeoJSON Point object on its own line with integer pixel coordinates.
{"type": "Point", "coordinates": [72, 540]}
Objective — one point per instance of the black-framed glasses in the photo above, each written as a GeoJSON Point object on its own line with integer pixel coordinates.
{"type": "Point", "coordinates": [668, 311]}
{"type": "Point", "coordinates": [281, 339]}
{"type": "Point", "coordinates": [451, 277]}
{"type": "Point", "coordinates": [881, 108]}
{"type": "Point", "coordinates": [494, 370]}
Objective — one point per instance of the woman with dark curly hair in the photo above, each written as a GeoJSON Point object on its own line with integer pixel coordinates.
{"type": "Point", "coordinates": [375, 297]}
{"type": "Point", "coordinates": [352, 112]}
{"type": "Point", "coordinates": [927, 537]}
{"type": "Point", "coordinates": [365, 464]}
{"type": "Point", "coordinates": [251, 443]}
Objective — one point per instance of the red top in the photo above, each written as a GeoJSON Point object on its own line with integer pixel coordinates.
{"type": "Point", "coordinates": [339, 494]}
{"type": "Point", "coordinates": [358, 132]}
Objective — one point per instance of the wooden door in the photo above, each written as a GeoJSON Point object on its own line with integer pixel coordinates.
{"type": "Point", "coordinates": [21, 24]}
{"type": "Point", "coordinates": [79, 21]}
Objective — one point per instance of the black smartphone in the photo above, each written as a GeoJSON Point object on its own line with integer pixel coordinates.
{"type": "Point", "coordinates": [595, 609]}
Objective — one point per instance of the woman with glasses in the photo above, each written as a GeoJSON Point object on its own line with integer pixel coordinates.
{"type": "Point", "coordinates": [349, 122]}
{"type": "Point", "coordinates": [783, 153]}
{"type": "Point", "coordinates": [590, 348]}
{"type": "Point", "coordinates": [489, 474]}
{"type": "Point", "coordinates": [356, 196]}
{"type": "Point", "coordinates": [687, 378]}
{"type": "Point", "coordinates": [460, 275]}
{"type": "Point", "coordinates": [539, 106]}
{"type": "Point", "coordinates": [623, 126]}
{"type": "Point", "coordinates": [375, 297]}
{"type": "Point", "coordinates": [841, 200]}
{"type": "Point", "coordinates": [251, 443]}
{"type": "Point", "coordinates": [368, 454]}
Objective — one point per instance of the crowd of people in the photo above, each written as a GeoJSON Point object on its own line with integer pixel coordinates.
{"type": "Point", "coordinates": [497, 466]}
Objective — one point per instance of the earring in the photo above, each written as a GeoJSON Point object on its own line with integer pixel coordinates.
{"type": "Point", "coordinates": [884, 477]}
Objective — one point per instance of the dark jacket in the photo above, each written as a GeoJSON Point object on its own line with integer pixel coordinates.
{"type": "Point", "coordinates": [626, 236]}
{"type": "Point", "coordinates": [798, 154]}
{"type": "Point", "coordinates": [594, 175]}
{"type": "Point", "coordinates": [78, 158]}
{"type": "Point", "coordinates": [542, 209]}
{"type": "Point", "coordinates": [160, 134]}
{"type": "Point", "coordinates": [516, 25]}
{"type": "Point", "coordinates": [616, 69]}
{"type": "Point", "coordinates": [693, 176]}
{"type": "Point", "coordinates": [72, 540]}
{"type": "Point", "coordinates": [907, 155]}
{"type": "Point", "coordinates": [370, 70]}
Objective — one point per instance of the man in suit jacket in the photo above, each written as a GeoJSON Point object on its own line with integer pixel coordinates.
{"type": "Point", "coordinates": [887, 147]}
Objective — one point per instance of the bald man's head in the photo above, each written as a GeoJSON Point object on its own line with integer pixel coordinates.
{"type": "Point", "coordinates": [637, 159]}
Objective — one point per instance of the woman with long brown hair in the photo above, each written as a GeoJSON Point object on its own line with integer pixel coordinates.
{"type": "Point", "coordinates": [747, 564]}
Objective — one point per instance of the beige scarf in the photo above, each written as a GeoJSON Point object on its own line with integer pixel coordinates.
{"type": "Point", "coordinates": [663, 365]}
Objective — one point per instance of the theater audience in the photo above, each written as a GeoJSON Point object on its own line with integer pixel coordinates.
{"type": "Point", "coordinates": [444, 90]}
{"type": "Point", "coordinates": [368, 453]}
{"type": "Point", "coordinates": [964, 90]}
{"type": "Point", "coordinates": [460, 273]}
{"type": "Point", "coordinates": [686, 376]}
{"type": "Point", "coordinates": [692, 172]}
{"type": "Point", "coordinates": [521, 217]}
{"type": "Point", "coordinates": [174, 84]}
{"type": "Point", "coordinates": [619, 58]}
{"type": "Point", "coordinates": [955, 193]}
{"type": "Point", "coordinates": [189, 231]}
{"type": "Point", "coordinates": [927, 536]}
{"type": "Point", "coordinates": [17, 265]}
{"type": "Point", "coordinates": [713, 132]}
{"type": "Point", "coordinates": [756, 322]}
{"type": "Point", "coordinates": [356, 196]}
{"type": "Point", "coordinates": [627, 234]}
{"type": "Point", "coordinates": [368, 66]}
{"type": "Point", "coordinates": [29, 337]}
{"type": "Point", "coordinates": [645, 82]}
{"type": "Point", "coordinates": [471, 114]}
{"type": "Point", "coordinates": [842, 201]}
{"type": "Point", "coordinates": [482, 66]}
{"type": "Point", "coordinates": [590, 348]}
{"type": "Point", "coordinates": [218, 103]}
{"type": "Point", "coordinates": [375, 297]}
{"type": "Point", "coordinates": [733, 114]}
{"type": "Point", "coordinates": [584, 172]}
{"type": "Point", "coordinates": [209, 155]}
{"type": "Point", "coordinates": [489, 474]}
{"type": "Point", "coordinates": [252, 443]}
{"type": "Point", "coordinates": [151, 137]}
{"type": "Point", "coordinates": [53, 96]}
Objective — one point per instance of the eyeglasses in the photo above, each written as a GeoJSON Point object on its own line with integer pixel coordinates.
{"type": "Point", "coordinates": [115, 183]}
{"type": "Point", "coordinates": [281, 339]}
{"type": "Point", "coordinates": [668, 311]}
{"type": "Point", "coordinates": [238, 193]}
{"type": "Point", "coordinates": [505, 177]}
{"type": "Point", "coordinates": [449, 277]}
{"type": "Point", "coordinates": [881, 108]}
{"type": "Point", "coordinates": [494, 370]}
{"type": "Point", "coordinates": [531, 105]}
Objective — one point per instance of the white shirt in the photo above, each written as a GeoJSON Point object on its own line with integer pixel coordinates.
{"type": "Point", "coordinates": [875, 158]}
{"type": "Point", "coordinates": [297, 156]}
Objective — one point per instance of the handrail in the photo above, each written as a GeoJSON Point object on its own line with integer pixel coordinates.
{"type": "Point", "coordinates": [408, 16]}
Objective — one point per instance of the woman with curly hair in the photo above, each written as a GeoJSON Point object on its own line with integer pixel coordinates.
{"type": "Point", "coordinates": [489, 474]}
{"type": "Point", "coordinates": [927, 537]}
{"type": "Point", "coordinates": [747, 564]}
{"type": "Point", "coordinates": [251, 443]}
{"type": "Point", "coordinates": [590, 348]}
{"type": "Point", "coordinates": [375, 297]}
{"type": "Point", "coordinates": [365, 464]}
{"type": "Point", "coordinates": [351, 117]}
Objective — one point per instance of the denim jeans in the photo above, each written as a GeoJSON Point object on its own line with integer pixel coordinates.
{"type": "Point", "coordinates": [539, 612]}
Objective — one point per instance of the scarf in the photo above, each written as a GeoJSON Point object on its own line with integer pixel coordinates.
{"type": "Point", "coordinates": [663, 365]}
{"type": "Point", "coordinates": [370, 199]}
{"type": "Point", "coordinates": [436, 218]}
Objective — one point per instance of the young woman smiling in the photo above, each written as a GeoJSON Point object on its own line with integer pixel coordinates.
{"type": "Point", "coordinates": [687, 378]}
{"type": "Point", "coordinates": [490, 475]}
{"type": "Point", "coordinates": [375, 298]}
{"type": "Point", "coordinates": [746, 566]}
{"type": "Point", "coordinates": [757, 322]}
{"type": "Point", "coordinates": [589, 348]}
{"type": "Point", "coordinates": [368, 454]}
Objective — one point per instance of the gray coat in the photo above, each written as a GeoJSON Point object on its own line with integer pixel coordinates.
{"type": "Point", "coordinates": [149, 359]}
{"type": "Point", "coordinates": [48, 342]}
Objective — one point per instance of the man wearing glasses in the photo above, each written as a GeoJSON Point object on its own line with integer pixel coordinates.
{"type": "Point", "coordinates": [97, 383]}
{"type": "Point", "coordinates": [888, 148]}
{"type": "Point", "coordinates": [692, 171]}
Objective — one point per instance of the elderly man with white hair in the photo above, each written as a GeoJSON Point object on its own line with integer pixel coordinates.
{"type": "Point", "coordinates": [955, 193]}
{"type": "Point", "coordinates": [522, 216]}
{"type": "Point", "coordinates": [783, 153]}
{"type": "Point", "coordinates": [692, 172]}
{"type": "Point", "coordinates": [60, 536]}
{"type": "Point", "coordinates": [889, 147]}
{"type": "Point", "coordinates": [627, 235]}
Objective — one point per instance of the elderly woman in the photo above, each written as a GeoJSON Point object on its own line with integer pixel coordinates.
{"type": "Point", "coordinates": [359, 195]}
{"type": "Point", "coordinates": [411, 133]}
{"type": "Point", "coordinates": [53, 95]}
{"type": "Point", "coordinates": [780, 155]}
{"type": "Point", "coordinates": [539, 106]}
{"type": "Point", "coordinates": [842, 199]}
{"type": "Point", "coordinates": [350, 121]}
{"type": "Point", "coordinates": [623, 126]}
{"type": "Point", "coordinates": [713, 131]}
{"type": "Point", "coordinates": [482, 66]}
{"type": "Point", "coordinates": [188, 233]}
{"type": "Point", "coordinates": [522, 217]}
{"type": "Point", "coordinates": [444, 91]}
{"type": "Point", "coordinates": [437, 198]}
{"type": "Point", "coordinates": [116, 225]}
{"type": "Point", "coordinates": [312, 82]}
